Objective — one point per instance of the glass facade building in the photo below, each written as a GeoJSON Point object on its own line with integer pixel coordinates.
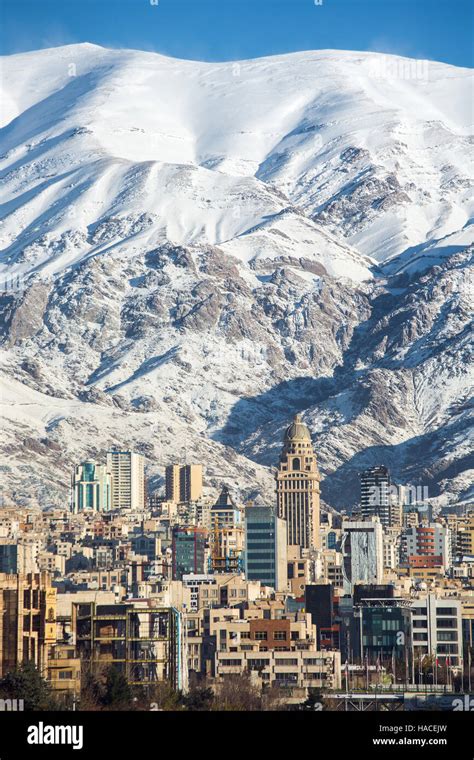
{"type": "Point", "coordinates": [265, 547]}
{"type": "Point", "coordinates": [91, 488]}
{"type": "Point", "coordinates": [189, 549]}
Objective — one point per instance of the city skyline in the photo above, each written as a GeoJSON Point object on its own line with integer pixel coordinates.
{"type": "Point", "coordinates": [237, 471]}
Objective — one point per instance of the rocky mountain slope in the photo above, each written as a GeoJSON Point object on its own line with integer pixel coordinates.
{"type": "Point", "coordinates": [192, 252]}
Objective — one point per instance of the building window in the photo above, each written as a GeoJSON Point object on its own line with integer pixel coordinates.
{"type": "Point", "coordinates": [279, 635]}
{"type": "Point", "coordinates": [261, 635]}
{"type": "Point", "coordinates": [256, 663]}
{"type": "Point", "coordinates": [65, 675]}
{"type": "Point", "coordinates": [447, 635]}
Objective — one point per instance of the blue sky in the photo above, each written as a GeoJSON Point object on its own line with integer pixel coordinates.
{"type": "Point", "coordinates": [213, 30]}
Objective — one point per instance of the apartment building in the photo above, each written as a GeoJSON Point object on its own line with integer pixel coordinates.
{"type": "Point", "coordinates": [128, 479]}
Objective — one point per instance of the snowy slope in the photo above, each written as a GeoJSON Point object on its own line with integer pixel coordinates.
{"type": "Point", "coordinates": [199, 250]}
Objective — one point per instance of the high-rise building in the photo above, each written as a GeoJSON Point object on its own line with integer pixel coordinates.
{"type": "Point", "coordinates": [172, 483]}
{"type": "Point", "coordinates": [190, 482]}
{"type": "Point", "coordinates": [265, 547]}
{"type": "Point", "coordinates": [375, 494]}
{"type": "Point", "coordinates": [226, 535]}
{"type": "Point", "coordinates": [297, 486]}
{"type": "Point", "coordinates": [189, 551]}
{"type": "Point", "coordinates": [183, 482]}
{"type": "Point", "coordinates": [91, 487]}
{"type": "Point", "coordinates": [128, 479]}
{"type": "Point", "coordinates": [362, 549]}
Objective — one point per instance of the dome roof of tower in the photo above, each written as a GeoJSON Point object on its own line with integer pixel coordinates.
{"type": "Point", "coordinates": [297, 431]}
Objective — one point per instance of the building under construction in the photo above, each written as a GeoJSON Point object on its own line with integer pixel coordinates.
{"type": "Point", "coordinates": [143, 643]}
{"type": "Point", "coordinates": [226, 535]}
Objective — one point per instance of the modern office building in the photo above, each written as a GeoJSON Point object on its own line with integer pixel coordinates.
{"type": "Point", "coordinates": [384, 632]}
{"type": "Point", "coordinates": [375, 494]}
{"type": "Point", "coordinates": [128, 479]}
{"type": "Point", "coordinates": [183, 483]}
{"type": "Point", "coordinates": [437, 629]}
{"type": "Point", "coordinates": [319, 602]}
{"type": "Point", "coordinates": [8, 555]}
{"type": "Point", "coordinates": [19, 556]}
{"type": "Point", "coordinates": [189, 551]}
{"type": "Point", "coordinates": [91, 487]}
{"type": "Point", "coordinates": [297, 487]}
{"type": "Point", "coordinates": [265, 547]}
{"type": "Point", "coordinates": [362, 548]}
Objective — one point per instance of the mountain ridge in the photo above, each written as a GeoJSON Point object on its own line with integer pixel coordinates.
{"type": "Point", "coordinates": [204, 249]}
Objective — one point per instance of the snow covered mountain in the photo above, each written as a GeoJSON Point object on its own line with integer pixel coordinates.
{"type": "Point", "coordinates": [192, 252]}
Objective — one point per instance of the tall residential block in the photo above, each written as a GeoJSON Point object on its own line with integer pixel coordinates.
{"type": "Point", "coordinates": [297, 487]}
{"type": "Point", "coordinates": [91, 487]}
{"type": "Point", "coordinates": [183, 482]}
{"type": "Point", "coordinates": [265, 547]}
{"type": "Point", "coordinates": [127, 469]}
{"type": "Point", "coordinates": [375, 494]}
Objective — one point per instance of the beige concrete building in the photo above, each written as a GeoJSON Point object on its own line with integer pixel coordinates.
{"type": "Point", "coordinates": [278, 648]}
{"type": "Point", "coordinates": [297, 486]}
{"type": "Point", "coordinates": [222, 589]}
{"type": "Point", "coordinates": [27, 620]}
{"type": "Point", "coordinates": [128, 479]}
{"type": "Point", "coordinates": [294, 670]}
{"type": "Point", "coordinates": [64, 671]}
{"type": "Point", "coordinates": [183, 482]}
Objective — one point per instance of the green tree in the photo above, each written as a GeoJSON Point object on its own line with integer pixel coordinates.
{"type": "Point", "coordinates": [117, 693]}
{"type": "Point", "coordinates": [198, 698]}
{"type": "Point", "coordinates": [164, 697]}
{"type": "Point", "coordinates": [313, 701]}
{"type": "Point", "coordinates": [239, 693]}
{"type": "Point", "coordinates": [27, 683]}
{"type": "Point", "coordinates": [92, 691]}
